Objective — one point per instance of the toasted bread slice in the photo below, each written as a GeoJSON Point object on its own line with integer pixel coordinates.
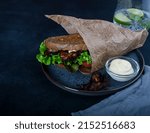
{"type": "Point", "coordinates": [73, 42]}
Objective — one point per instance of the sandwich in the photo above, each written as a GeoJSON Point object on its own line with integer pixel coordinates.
{"type": "Point", "coordinates": [67, 51]}
{"type": "Point", "coordinates": [89, 45]}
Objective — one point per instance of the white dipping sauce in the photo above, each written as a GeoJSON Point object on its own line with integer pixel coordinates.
{"type": "Point", "coordinates": [121, 67]}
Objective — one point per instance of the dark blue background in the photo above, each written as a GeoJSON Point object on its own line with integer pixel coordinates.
{"type": "Point", "coordinates": [24, 89]}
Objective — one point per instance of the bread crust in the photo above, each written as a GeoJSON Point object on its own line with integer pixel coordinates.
{"type": "Point", "coordinates": [73, 42]}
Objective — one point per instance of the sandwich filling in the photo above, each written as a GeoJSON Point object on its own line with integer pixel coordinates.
{"type": "Point", "coordinates": [72, 60]}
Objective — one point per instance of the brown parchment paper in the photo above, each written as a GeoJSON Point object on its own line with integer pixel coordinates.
{"type": "Point", "coordinates": [103, 39]}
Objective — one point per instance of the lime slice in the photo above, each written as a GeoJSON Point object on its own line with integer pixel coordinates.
{"type": "Point", "coordinates": [122, 19]}
{"type": "Point", "coordinates": [135, 12]}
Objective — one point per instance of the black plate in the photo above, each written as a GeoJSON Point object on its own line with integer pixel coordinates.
{"type": "Point", "coordinates": [71, 81]}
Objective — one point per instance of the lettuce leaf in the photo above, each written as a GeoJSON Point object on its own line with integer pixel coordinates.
{"type": "Point", "coordinates": [56, 58]}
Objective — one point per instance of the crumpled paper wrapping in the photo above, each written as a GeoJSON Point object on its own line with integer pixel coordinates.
{"type": "Point", "coordinates": [103, 39]}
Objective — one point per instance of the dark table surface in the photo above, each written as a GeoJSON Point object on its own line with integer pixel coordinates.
{"type": "Point", "coordinates": [24, 89]}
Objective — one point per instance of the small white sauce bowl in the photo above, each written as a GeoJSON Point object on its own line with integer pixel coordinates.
{"type": "Point", "coordinates": [122, 78]}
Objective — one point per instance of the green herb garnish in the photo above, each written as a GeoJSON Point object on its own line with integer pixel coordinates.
{"type": "Point", "coordinates": [47, 60]}
{"type": "Point", "coordinates": [72, 65]}
{"type": "Point", "coordinates": [42, 48]}
{"type": "Point", "coordinates": [56, 59]}
{"type": "Point", "coordinates": [146, 24]}
{"type": "Point", "coordinates": [84, 57]}
{"type": "Point", "coordinates": [41, 57]}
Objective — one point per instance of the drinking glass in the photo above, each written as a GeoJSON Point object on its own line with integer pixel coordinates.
{"type": "Point", "coordinates": [133, 14]}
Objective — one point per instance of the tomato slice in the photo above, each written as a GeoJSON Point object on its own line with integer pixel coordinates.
{"type": "Point", "coordinates": [85, 64]}
{"type": "Point", "coordinates": [85, 70]}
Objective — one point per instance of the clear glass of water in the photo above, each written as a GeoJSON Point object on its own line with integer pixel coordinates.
{"type": "Point", "coordinates": [133, 14]}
